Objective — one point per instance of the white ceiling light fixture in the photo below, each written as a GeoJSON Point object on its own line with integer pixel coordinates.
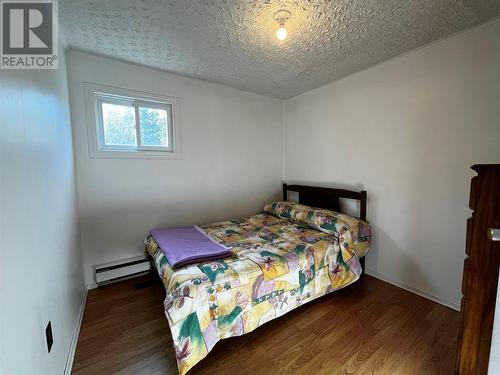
{"type": "Point", "coordinates": [282, 16]}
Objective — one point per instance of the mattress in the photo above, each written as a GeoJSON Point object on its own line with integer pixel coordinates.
{"type": "Point", "coordinates": [276, 266]}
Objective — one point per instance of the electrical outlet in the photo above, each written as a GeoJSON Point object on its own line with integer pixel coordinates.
{"type": "Point", "coordinates": [49, 337]}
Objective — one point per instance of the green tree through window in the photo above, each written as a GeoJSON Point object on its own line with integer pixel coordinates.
{"type": "Point", "coordinates": [118, 125]}
{"type": "Point", "coordinates": [153, 123]}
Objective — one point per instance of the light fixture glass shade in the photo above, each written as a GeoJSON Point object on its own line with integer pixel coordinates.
{"type": "Point", "coordinates": [281, 33]}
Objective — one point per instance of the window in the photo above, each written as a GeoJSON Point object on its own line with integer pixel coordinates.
{"type": "Point", "coordinates": [131, 124]}
{"type": "Point", "coordinates": [125, 123]}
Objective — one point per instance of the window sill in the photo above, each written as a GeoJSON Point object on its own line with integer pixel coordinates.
{"type": "Point", "coordinates": [133, 154]}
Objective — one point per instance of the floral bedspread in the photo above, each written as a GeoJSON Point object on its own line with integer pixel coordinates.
{"type": "Point", "coordinates": [276, 266]}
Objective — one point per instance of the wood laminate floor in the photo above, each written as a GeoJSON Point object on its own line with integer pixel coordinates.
{"type": "Point", "coordinates": [371, 327]}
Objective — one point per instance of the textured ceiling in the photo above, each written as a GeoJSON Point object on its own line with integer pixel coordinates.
{"type": "Point", "coordinates": [233, 42]}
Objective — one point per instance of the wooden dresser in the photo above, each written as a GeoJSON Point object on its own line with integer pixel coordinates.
{"type": "Point", "coordinates": [480, 277]}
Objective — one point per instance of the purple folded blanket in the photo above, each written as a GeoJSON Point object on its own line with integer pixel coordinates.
{"type": "Point", "coordinates": [188, 245]}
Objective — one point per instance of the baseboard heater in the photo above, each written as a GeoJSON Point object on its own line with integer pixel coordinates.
{"type": "Point", "coordinates": [121, 269]}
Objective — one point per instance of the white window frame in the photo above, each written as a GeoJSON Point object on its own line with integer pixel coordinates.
{"type": "Point", "coordinates": [95, 95]}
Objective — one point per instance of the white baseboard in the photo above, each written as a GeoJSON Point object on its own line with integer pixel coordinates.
{"type": "Point", "coordinates": [91, 286]}
{"type": "Point", "coordinates": [382, 277]}
{"type": "Point", "coordinates": [76, 333]}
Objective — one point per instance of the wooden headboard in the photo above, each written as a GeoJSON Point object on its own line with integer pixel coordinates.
{"type": "Point", "coordinates": [327, 198]}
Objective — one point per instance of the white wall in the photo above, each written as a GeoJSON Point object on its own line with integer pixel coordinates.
{"type": "Point", "coordinates": [494, 365]}
{"type": "Point", "coordinates": [407, 131]}
{"type": "Point", "coordinates": [230, 166]}
{"type": "Point", "coordinates": [40, 257]}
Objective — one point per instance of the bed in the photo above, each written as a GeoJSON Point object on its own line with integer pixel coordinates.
{"type": "Point", "coordinates": [281, 259]}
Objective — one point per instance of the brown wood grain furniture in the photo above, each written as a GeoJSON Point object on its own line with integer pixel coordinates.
{"type": "Point", "coordinates": [480, 278]}
{"type": "Point", "coordinates": [328, 198]}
